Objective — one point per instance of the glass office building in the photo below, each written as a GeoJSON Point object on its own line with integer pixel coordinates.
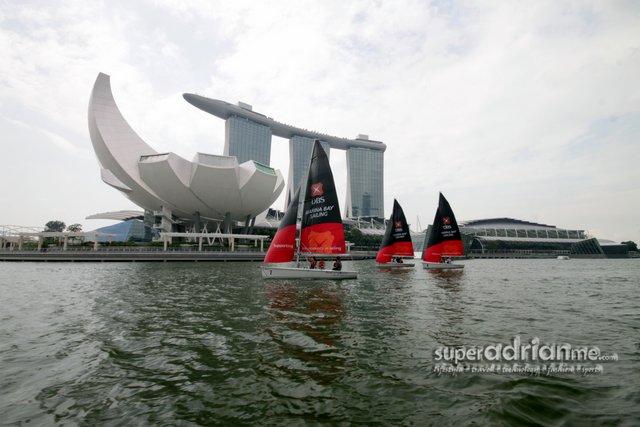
{"type": "Point", "coordinates": [365, 183]}
{"type": "Point", "coordinates": [247, 140]}
{"type": "Point", "coordinates": [300, 148]}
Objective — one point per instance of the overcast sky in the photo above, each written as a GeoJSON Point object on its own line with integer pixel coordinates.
{"type": "Point", "coordinates": [528, 110]}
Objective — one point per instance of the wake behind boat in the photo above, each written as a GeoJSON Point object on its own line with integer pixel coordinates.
{"type": "Point", "coordinates": [396, 243]}
{"type": "Point", "coordinates": [321, 229]}
{"type": "Point", "coordinates": [444, 242]}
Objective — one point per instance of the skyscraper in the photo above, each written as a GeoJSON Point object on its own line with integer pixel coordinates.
{"type": "Point", "coordinates": [365, 183]}
{"type": "Point", "coordinates": [247, 140]}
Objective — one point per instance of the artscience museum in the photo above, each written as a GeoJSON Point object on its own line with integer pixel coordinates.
{"type": "Point", "coordinates": [178, 191]}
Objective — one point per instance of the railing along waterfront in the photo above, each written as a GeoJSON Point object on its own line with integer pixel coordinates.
{"type": "Point", "coordinates": [515, 253]}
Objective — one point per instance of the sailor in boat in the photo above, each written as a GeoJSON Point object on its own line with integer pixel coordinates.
{"type": "Point", "coordinates": [312, 263]}
{"type": "Point", "coordinates": [337, 264]}
{"type": "Point", "coordinates": [399, 260]}
{"type": "Point", "coordinates": [321, 264]}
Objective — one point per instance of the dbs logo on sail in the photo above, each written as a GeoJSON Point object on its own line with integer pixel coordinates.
{"type": "Point", "coordinates": [446, 223]}
{"type": "Point", "coordinates": [316, 193]}
{"type": "Point", "coordinates": [317, 190]}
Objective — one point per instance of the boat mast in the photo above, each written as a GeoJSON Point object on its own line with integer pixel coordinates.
{"type": "Point", "coordinates": [299, 229]}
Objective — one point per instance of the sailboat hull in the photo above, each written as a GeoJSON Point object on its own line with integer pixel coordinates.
{"type": "Point", "coordinates": [396, 265]}
{"type": "Point", "coordinates": [306, 273]}
{"type": "Point", "coordinates": [440, 266]}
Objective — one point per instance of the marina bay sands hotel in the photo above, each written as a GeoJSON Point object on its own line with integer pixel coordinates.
{"type": "Point", "coordinates": [248, 136]}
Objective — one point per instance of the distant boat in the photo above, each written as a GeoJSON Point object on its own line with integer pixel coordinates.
{"type": "Point", "coordinates": [321, 230]}
{"type": "Point", "coordinates": [444, 242]}
{"type": "Point", "coordinates": [396, 243]}
{"type": "Point", "coordinates": [563, 257]}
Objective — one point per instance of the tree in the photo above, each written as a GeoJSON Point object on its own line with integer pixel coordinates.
{"type": "Point", "coordinates": [54, 226]}
{"type": "Point", "coordinates": [75, 228]}
{"type": "Point", "coordinates": [631, 246]}
{"type": "Point", "coordinates": [354, 235]}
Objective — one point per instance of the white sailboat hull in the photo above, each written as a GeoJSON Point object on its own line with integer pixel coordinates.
{"type": "Point", "coordinates": [396, 265]}
{"type": "Point", "coordinates": [440, 266]}
{"type": "Point", "coordinates": [269, 272]}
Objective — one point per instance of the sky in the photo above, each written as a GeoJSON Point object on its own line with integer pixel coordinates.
{"type": "Point", "coordinates": [527, 110]}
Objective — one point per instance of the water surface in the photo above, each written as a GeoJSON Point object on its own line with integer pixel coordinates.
{"type": "Point", "coordinates": [214, 344]}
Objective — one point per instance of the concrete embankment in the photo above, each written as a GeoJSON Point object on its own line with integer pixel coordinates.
{"type": "Point", "coordinates": [146, 256]}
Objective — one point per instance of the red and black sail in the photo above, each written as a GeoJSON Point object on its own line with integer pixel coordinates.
{"type": "Point", "coordinates": [445, 239]}
{"type": "Point", "coordinates": [283, 246]}
{"type": "Point", "coordinates": [322, 230]}
{"type": "Point", "coordinates": [397, 238]}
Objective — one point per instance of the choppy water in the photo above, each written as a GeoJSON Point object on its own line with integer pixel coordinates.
{"type": "Point", "coordinates": [214, 344]}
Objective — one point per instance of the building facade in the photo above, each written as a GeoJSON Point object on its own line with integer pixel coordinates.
{"type": "Point", "coordinates": [515, 230]}
{"type": "Point", "coordinates": [365, 183]}
{"type": "Point", "coordinates": [514, 237]}
{"type": "Point", "coordinates": [247, 140]}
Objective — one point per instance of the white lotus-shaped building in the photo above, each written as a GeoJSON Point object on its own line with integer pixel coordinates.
{"type": "Point", "coordinates": [209, 187]}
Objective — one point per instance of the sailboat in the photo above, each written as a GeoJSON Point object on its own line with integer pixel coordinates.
{"type": "Point", "coordinates": [396, 242]}
{"type": "Point", "coordinates": [321, 230]}
{"type": "Point", "coordinates": [444, 241]}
